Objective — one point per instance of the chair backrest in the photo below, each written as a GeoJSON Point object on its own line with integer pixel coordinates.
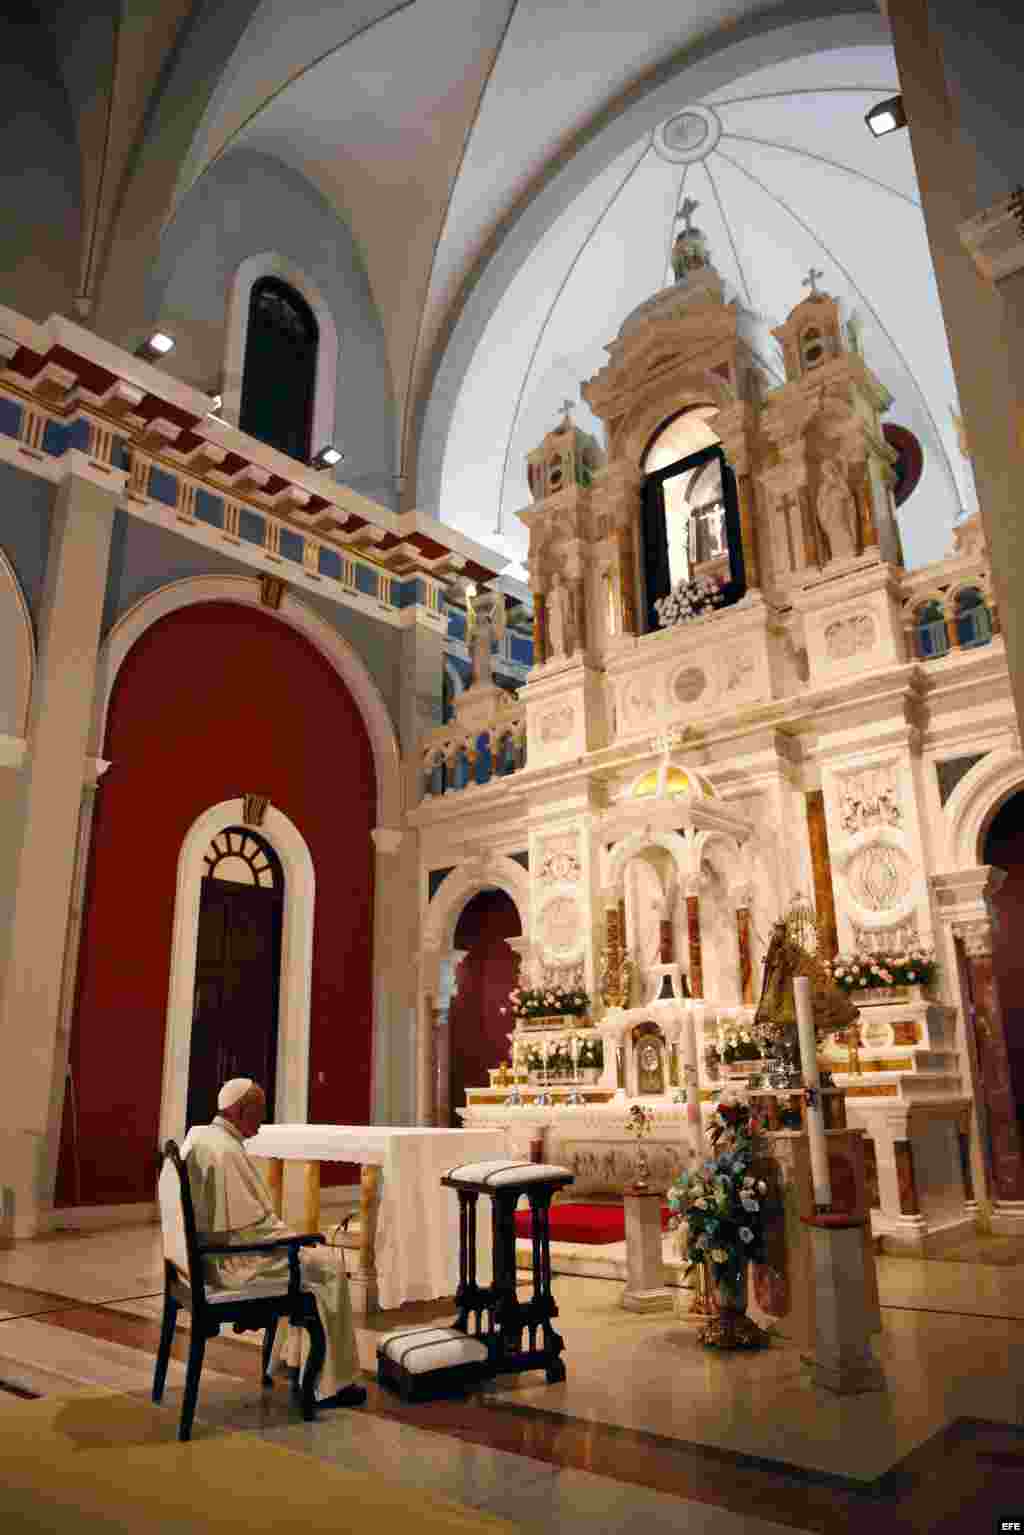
{"type": "Point", "coordinates": [178, 1220]}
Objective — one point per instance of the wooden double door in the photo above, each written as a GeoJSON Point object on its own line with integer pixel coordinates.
{"type": "Point", "coordinates": [235, 1015]}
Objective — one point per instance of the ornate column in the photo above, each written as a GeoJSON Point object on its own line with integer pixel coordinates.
{"type": "Point", "coordinates": [743, 897]}
{"type": "Point", "coordinates": [985, 1018]}
{"type": "Point", "coordinates": [693, 937]}
{"type": "Point", "coordinates": [540, 632]}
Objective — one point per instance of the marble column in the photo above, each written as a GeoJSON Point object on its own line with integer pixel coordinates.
{"type": "Point", "coordinates": [993, 1060]}
{"type": "Point", "coordinates": [627, 600]}
{"type": "Point", "coordinates": [62, 702]}
{"type": "Point", "coordinates": [540, 631]}
{"type": "Point", "coordinates": [694, 943]}
{"type": "Point", "coordinates": [743, 946]}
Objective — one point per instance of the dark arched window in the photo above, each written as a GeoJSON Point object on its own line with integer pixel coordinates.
{"type": "Point", "coordinates": [973, 621]}
{"type": "Point", "coordinates": [279, 377]}
{"type": "Point", "coordinates": [932, 636]}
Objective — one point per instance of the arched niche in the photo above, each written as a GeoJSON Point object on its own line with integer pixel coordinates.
{"type": "Point", "coordinates": [975, 802]}
{"type": "Point", "coordinates": [17, 655]}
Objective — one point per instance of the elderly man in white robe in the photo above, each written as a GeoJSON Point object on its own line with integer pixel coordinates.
{"type": "Point", "coordinates": [233, 1204]}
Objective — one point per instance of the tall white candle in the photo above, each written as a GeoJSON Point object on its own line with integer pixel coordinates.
{"type": "Point", "coordinates": [813, 1115]}
{"type": "Point", "coordinates": [688, 1063]}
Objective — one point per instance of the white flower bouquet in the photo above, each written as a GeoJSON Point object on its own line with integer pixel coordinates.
{"type": "Point", "coordinates": [546, 1001]}
{"type": "Point", "coordinates": [689, 599]}
{"type": "Point", "coordinates": [870, 968]}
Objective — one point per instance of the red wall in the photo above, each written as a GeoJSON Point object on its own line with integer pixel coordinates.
{"type": "Point", "coordinates": [213, 702]}
{"type": "Point", "coordinates": [1004, 847]}
{"type": "Point", "coordinates": [477, 1029]}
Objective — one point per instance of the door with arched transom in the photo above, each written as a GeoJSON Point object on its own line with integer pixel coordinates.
{"type": "Point", "coordinates": [238, 970]}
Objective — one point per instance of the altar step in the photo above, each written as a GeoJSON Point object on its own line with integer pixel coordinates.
{"type": "Point", "coordinates": [608, 1261]}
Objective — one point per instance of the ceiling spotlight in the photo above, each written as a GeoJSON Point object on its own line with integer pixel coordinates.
{"type": "Point", "coordinates": [887, 116]}
{"type": "Point", "coordinates": [327, 457]}
{"type": "Point", "coordinates": [157, 345]}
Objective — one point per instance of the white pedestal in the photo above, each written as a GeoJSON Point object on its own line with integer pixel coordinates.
{"type": "Point", "coordinates": [842, 1360]}
{"type": "Point", "coordinates": [644, 1264]}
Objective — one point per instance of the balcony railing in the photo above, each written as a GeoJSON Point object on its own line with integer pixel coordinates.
{"type": "Point", "coordinates": [454, 758]}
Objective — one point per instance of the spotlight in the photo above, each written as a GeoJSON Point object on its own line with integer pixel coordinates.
{"type": "Point", "coordinates": [157, 345]}
{"type": "Point", "coordinates": [887, 116]}
{"type": "Point", "coordinates": [327, 457]}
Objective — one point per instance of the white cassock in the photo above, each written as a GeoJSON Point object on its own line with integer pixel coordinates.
{"type": "Point", "coordinates": [232, 1204]}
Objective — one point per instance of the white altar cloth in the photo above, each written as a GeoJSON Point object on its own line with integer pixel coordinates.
{"type": "Point", "coordinates": [417, 1247]}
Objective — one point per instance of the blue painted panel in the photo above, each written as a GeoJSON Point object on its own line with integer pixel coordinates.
{"type": "Point", "coordinates": [330, 564]}
{"type": "Point", "coordinates": [209, 509]}
{"type": "Point", "coordinates": [456, 624]}
{"type": "Point", "coordinates": [119, 453]}
{"type": "Point", "coordinates": [163, 486]}
{"type": "Point", "coordinates": [521, 650]}
{"type": "Point", "coordinates": [55, 438]}
{"type": "Point", "coordinates": [250, 526]}
{"type": "Point", "coordinates": [10, 417]}
{"type": "Point", "coordinates": [366, 580]}
{"type": "Point", "coordinates": [406, 593]}
{"type": "Point", "coordinates": [291, 545]}
{"type": "Point", "coordinates": [78, 435]}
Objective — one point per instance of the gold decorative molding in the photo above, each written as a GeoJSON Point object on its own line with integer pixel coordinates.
{"type": "Point", "coordinates": [874, 1090]}
{"type": "Point", "coordinates": [272, 590]}
{"type": "Point", "coordinates": [254, 808]}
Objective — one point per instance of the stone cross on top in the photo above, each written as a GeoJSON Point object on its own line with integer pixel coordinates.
{"type": "Point", "coordinates": [687, 209]}
{"type": "Point", "coordinates": [567, 406]}
{"type": "Point", "coordinates": [811, 281]}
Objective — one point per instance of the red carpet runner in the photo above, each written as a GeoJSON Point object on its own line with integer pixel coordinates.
{"type": "Point", "coordinates": [593, 1225]}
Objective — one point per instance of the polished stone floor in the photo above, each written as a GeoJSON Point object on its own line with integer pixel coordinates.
{"type": "Point", "coordinates": [648, 1430]}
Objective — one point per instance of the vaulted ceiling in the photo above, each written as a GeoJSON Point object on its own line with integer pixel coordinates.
{"type": "Point", "coordinates": [495, 161]}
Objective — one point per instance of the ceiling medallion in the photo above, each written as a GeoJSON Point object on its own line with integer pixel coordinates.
{"type": "Point", "coordinates": [688, 136]}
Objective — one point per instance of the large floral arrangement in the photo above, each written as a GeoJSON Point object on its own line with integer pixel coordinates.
{"type": "Point", "coordinates": [545, 1001]}
{"type": "Point", "coordinates": [719, 1210]}
{"type": "Point", "coordinates": [740, 1045]}
{"type": "Point", "coordinates": [689, 599]}
{"type": "Point", "coordinates": [870, 968]}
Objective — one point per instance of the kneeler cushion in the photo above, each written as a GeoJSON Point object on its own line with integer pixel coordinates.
{"type": "Point", "coordinates": [589, 1225]}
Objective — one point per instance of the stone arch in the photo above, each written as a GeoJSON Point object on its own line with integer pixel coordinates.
{"type": "Point", "coordinates": [18, 649]}
{"type": "Point", "coordinates": [679, 850]}
{"type": "Point", "coordinates": [491, 872]}
{"type": "Point", "coordinates": [637, 429]}
{"type": "Point", "coordinates": [973, 804]}
{"type": "Point", "coordinates": [272, 264]}
{"type": "Point", "coordinates": [245, 590]}
{"type": "Point", "coordinates": [292, 1096]}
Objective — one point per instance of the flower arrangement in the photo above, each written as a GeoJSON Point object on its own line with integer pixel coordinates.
{"type": "Point", "coordinates": [870, 968]}
{"type": "Point", "coordinates": [719, 1210]}
{"type": "Point", "coordinates": [546, 1001]}
{"type": "Point", "coordinates": [689, 599]}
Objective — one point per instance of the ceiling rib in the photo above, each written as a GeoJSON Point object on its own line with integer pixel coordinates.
{"type": "Point", "coordinates": [728, 230]}
{"type": "Point", "coordinates": [810, 154]}
{"type": "Point", "coordinates": [550, 311]}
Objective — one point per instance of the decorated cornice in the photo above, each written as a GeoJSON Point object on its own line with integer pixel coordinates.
{"type": "Point", "coordinates": [63, 389]}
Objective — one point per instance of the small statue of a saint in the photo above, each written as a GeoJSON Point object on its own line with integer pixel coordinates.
{"type": "Point", "coordinates": [650, 1073]}
{"type": "Point", "coordinates": [485, 623]}
{"type": "Point", "coordinates": [837, 511]}
{"type": "Point", "coordinates": [559, 613]}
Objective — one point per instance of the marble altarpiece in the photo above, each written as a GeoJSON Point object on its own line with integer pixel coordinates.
{"type": "Point", "coordinates": [667, 808]}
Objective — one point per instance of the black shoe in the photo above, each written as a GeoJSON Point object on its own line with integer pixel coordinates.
{"type": "Point", "coordinates": [351, 1396]}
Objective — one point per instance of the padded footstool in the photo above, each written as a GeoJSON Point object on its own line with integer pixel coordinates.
{"type": "Point", "coordinates": [420, 1362]}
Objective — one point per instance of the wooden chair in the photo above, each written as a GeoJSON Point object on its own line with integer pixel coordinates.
{"type": "Point", "coordinates": [259, 1305]}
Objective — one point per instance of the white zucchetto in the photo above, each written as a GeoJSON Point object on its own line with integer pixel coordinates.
{"type": "Point", "coordinates": [234, 1091]}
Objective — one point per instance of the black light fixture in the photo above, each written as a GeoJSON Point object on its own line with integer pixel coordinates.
{"type": "Point", "coordinates": [327, 457]}
{"type": "Point", "coordinates": [886, 116]}
{"type": "Point", "coordinates": [156, 345]}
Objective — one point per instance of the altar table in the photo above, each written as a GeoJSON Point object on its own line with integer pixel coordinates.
{"type": "Point", "coordinates": [411, 1250]}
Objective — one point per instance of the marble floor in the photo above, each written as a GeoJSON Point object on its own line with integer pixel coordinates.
{"type": "Point", "coordinates": [648, 1427]}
